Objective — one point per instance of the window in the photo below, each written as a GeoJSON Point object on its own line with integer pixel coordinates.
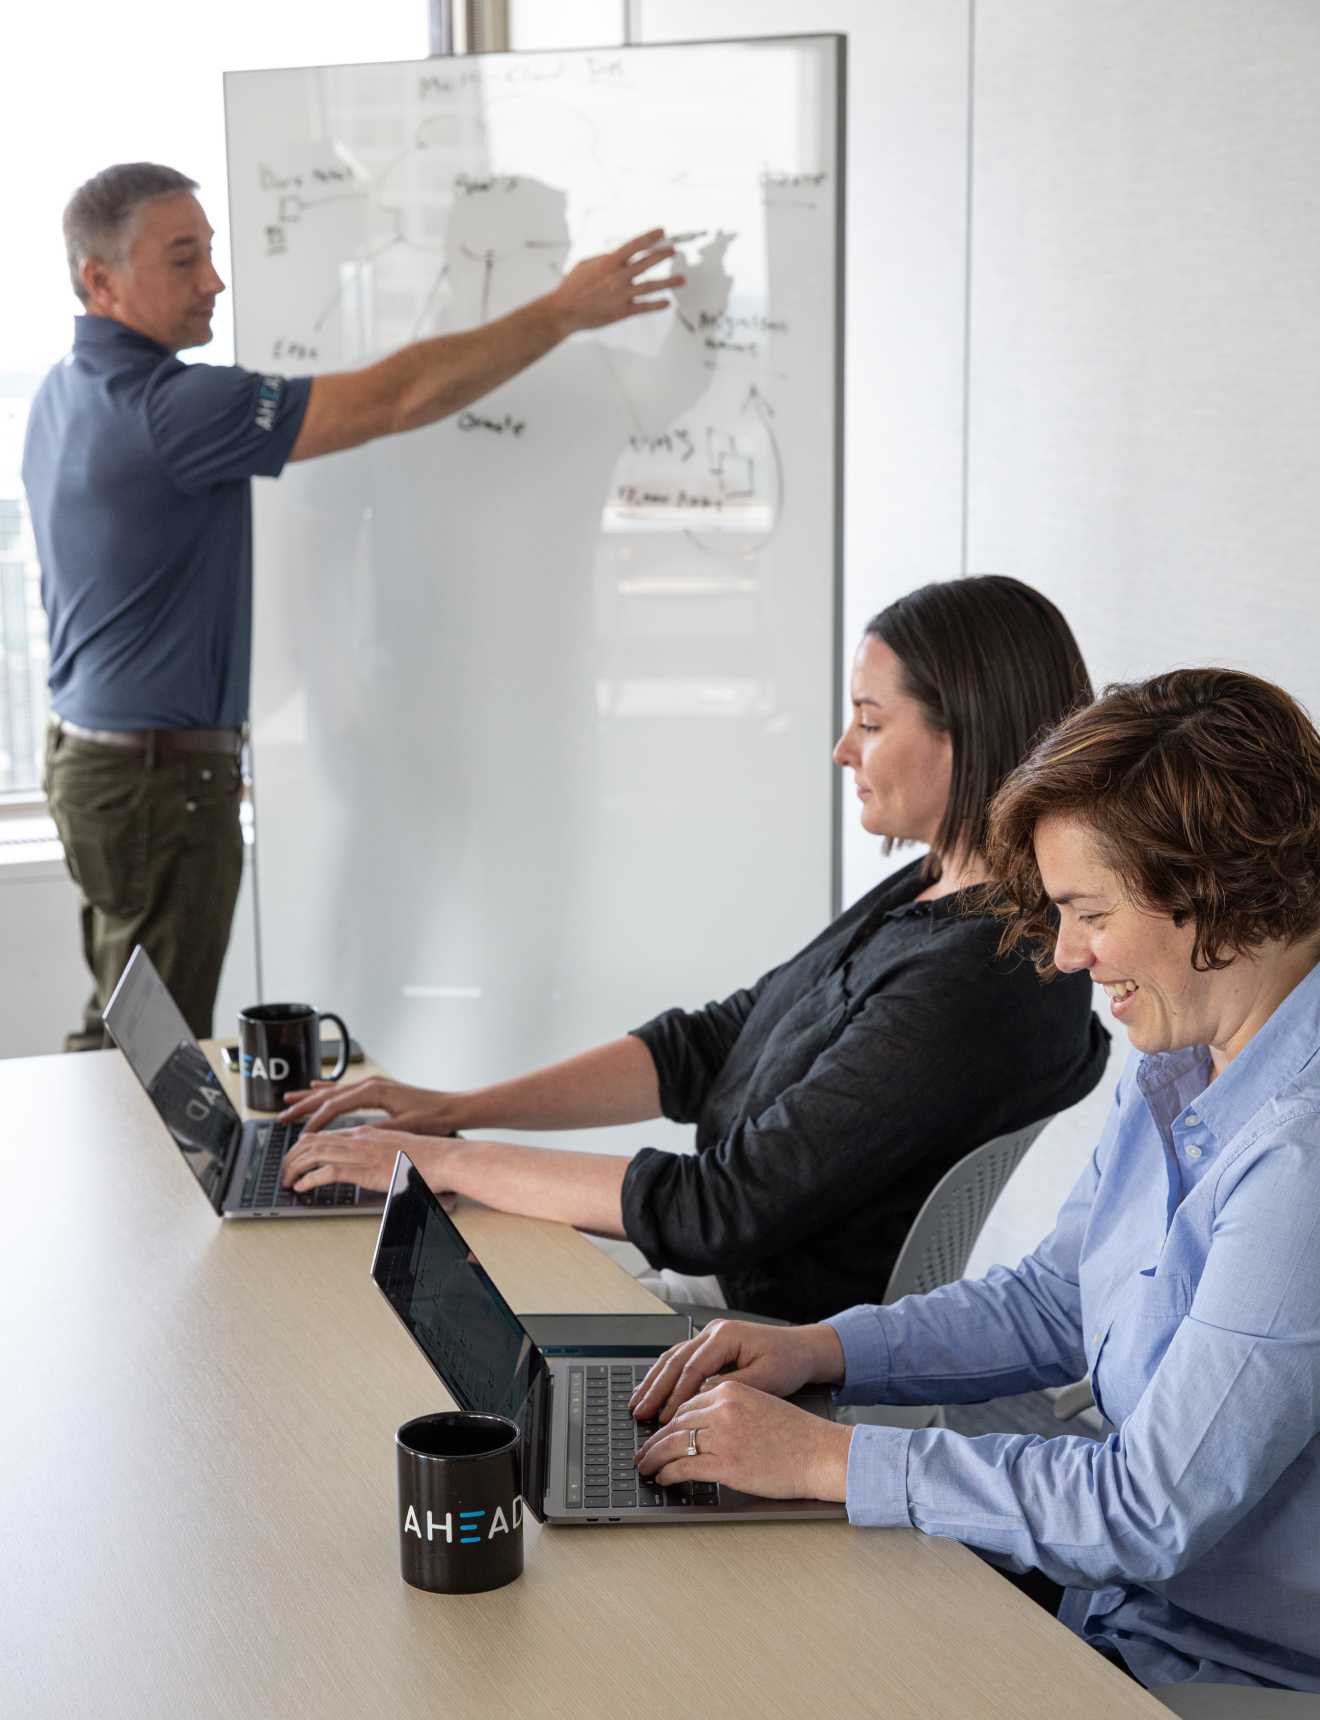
{"type": "Point", "coordinates": [22, 626]}
{"type": "Point", "coordinates": [131, 87]}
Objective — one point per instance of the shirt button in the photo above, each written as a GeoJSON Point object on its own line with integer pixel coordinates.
{"type": "Point", "coordinates": [206, 777]}
{"type": "Point", "coordinates": [1095, 1337]}
{"type": "Point", "coordinates": [190, 806]}
{"type": "Point", "coordinates": [1191, 1119]}
{"type": "Point", "coordinates": [1193, 1152]}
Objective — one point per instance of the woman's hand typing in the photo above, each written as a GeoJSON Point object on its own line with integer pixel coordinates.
{"type": "Point", "coordinates": [775, 1359]}
{"type": "Point", "coordinates": [415, 1110]}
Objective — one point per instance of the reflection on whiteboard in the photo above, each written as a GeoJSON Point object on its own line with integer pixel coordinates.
{"type": "Point", "coordinates": [521, 676]}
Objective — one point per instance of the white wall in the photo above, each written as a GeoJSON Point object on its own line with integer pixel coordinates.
{"type": "Point", "coordinates": [1145, 357]}
{"type": "Point", "coordinates": [1145, 339]}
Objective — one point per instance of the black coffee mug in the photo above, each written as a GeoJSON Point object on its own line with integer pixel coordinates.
{"type": "Point", "coordinates": [279, 1046]}
{"type": "Point", "coordinates": [460, 1509]}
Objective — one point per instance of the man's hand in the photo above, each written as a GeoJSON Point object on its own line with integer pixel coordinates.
{"type": "Point", "coordinates": [752, 1441]}
{"type": "Point", "coordinates": [775, 1359]}
{"type": "Point", "coordinates": [608, 288]}
{"type": "Point", "coordinates": [429, 379]}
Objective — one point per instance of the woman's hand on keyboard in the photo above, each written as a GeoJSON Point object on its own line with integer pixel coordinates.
{"type": "Point", "coordinates": [775, 1359]}
{"type": "Point", "coordinates": [415, 1110]}
{"type": "Point", "coordinates": [752, 1441]}
{"type": "Point", "coordinates": [363, 1156]}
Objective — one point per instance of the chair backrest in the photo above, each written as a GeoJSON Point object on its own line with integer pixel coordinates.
{"type": "Point", "coordinates": [943, 1234]}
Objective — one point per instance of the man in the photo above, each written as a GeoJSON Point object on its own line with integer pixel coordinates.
{"type": "Point", "coordinates": [137, 470]}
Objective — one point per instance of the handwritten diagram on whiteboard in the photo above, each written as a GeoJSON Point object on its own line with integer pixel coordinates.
{"type": "Point", "coordinates": [543, 693]}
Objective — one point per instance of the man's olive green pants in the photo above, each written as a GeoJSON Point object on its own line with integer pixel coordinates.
{"type": "Point", "coordinates": [153, 842]}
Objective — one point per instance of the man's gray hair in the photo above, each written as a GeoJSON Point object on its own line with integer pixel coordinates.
{"type": "Point", "coordinates": [99, 213]}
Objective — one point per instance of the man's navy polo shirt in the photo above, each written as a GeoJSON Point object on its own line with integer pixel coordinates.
{"type": "Point", "coordinates": [137, 470]}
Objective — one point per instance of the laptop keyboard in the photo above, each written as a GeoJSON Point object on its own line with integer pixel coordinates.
{"type": "Point", "coordinates": [263, 1188]}
{"type": "Point", "coordinates": [602, 1437]}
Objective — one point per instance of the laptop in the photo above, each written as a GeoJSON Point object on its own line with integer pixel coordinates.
{"type": "Point", "coordinates": [237, 1164]}
{"type": "Point", "coordinates": [578, 1437]}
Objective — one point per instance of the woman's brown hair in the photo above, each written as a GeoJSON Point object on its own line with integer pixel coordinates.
{"type": "Point", "coordinates": [1202, 789]}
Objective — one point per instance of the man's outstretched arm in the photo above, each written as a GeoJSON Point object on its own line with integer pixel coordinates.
{"type": "Point", "coordinates": [432, 378]}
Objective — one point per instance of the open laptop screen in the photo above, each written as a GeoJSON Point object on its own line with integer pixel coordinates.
{"type": "Point", "coordinates": [446, 1299]}
{"type": "Point", "coordinates": [145, 1023]}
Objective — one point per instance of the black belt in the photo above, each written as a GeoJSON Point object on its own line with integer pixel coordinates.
{"type": "Point", "coordinates": [166, 740]}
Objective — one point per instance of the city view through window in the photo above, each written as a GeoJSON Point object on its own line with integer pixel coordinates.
{"type": "Point", "coordinates": [22, 625]}
{"type": "Point", "coordinates": [135, 93]}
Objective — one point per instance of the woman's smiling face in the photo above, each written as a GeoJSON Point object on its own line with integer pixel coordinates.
{"type": "Point", "coordinates": [1141, 958]}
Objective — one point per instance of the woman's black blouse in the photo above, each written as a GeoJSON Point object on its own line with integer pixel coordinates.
{"type": "Point", "coordinates": [832, 1096]}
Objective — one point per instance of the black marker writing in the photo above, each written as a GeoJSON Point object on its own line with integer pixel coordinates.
{"type": "Point", "coordinates": [506, 426]}
{"type": "Point", "coordinates": [671, 442]}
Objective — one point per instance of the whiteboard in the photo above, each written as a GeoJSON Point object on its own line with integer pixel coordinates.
{"type": "Point", "coordinates": [544, 694]}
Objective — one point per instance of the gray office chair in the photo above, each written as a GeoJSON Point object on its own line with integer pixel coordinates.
{"type": "Point", "coordinates": [1237, 1702]}
{"type": "Point", "coordinates": [943, 1234]}
{"type": "Point", "coordinates": [939, 1244]}
{"type": "Point", "coordinates": [934, 1252]}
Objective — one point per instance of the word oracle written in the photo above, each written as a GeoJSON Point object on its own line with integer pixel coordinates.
{"type": "Point", "coordinates": [469, 1526]}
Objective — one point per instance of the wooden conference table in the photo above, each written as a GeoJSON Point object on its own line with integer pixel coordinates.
{"type": "Point", "coordinates": [197, 1469]}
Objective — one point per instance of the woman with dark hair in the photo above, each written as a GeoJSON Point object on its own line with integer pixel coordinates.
{"type": "Point", "coordinates": [833, 1094]}
{"type": "Point", "coordinates": [1166, 843]}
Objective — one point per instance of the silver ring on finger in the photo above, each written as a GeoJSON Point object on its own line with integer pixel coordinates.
{"type": "Point", "coordinates": [692, 1450]}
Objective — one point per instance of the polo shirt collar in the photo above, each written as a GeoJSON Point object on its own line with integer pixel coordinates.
{"type": "Point", "coordinates": [104, 334]}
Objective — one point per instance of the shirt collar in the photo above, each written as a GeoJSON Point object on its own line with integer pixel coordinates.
{"type": "Point", "coordinates": [1271, 1058]}
{"type": "Point", "coordinates": [897, 890]}
{"type": "Point", "coordinates": [895, 897]}
{"type": "Point", "coordinates": [104, 334]}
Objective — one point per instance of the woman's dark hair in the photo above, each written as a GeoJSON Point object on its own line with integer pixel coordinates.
{"type": "Point", "coordinates": [1202, 789]}
{"type": "Point", "coordinates": [993, 665]}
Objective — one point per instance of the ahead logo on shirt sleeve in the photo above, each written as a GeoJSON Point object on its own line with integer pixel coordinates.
{"type": "Point", "coordinates": [268, 398]}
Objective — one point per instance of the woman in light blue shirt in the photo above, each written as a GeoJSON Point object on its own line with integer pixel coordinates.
{"type": "Point", "coordinates": [1167, 840]}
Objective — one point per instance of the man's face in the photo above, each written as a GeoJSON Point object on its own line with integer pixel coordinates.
{"type": "Point", "coordinates": [165, 285]}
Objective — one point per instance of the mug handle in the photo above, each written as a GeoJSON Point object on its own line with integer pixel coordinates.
{"type": "Point", "coordinates": [339, 1068]}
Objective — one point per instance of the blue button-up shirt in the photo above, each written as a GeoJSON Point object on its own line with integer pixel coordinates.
{"type": "Point", "coordinates": [1184, 1277]}
{"type": "Point", "coordinates": [137, 470]}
